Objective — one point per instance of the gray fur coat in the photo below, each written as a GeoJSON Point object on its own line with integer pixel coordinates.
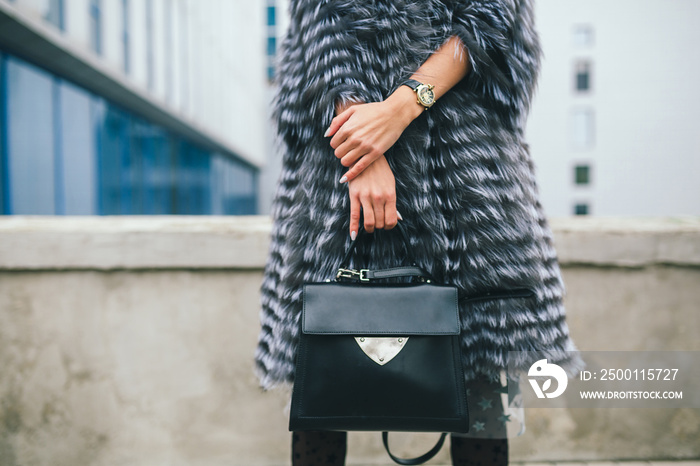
{"type": "Point", "coordinates": [464, 178]}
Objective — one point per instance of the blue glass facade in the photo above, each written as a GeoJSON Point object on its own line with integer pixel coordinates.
{"type": "Point", "coordinates": [65, 151]}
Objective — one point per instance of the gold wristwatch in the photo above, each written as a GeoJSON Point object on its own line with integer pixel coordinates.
{"type": "Point", "coordinates": [424, 92]}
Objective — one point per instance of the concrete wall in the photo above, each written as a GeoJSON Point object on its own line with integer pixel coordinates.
{"type": "Point", "coordinates": [129, 341]}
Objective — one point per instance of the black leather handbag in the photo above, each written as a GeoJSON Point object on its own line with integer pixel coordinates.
{"type": "Point", "coordinates": [377, 356]}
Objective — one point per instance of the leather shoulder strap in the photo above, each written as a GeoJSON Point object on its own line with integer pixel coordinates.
{"type": "Point", "coordinates": [413, 461]}
{"type": "Point", "coordinates": [395, 272]}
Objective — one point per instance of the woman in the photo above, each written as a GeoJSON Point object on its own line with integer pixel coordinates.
{"type": "Point", "coordinates": [361, 137]}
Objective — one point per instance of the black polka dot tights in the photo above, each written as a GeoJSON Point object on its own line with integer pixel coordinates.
{"type": "Point", "coordinates": [329, 448]}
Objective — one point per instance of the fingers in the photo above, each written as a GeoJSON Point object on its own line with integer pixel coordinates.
{"type": "Point", "coordinates": [374, 193]}
{"type": "Point", "coordinates": [379, 219]}
{"type": "Point", "coordinates": [368, 211]}
{"type": "Point", "coordinates": [350, 142]}
{"type": "Point", "coordinates": [379, 213]}
{"type": "Point", "coordinates": [350, 157]}
{"type": "Point", "coordinates": [349, 147]}
{"type": "Point", "coordinates": [337, 122]}
{"type": "Point", "coordinates": [358, 168]}
{"type": "Point", "coordinates": [391, 215]}
{"type": "Point", "coordinates": [373, 214]}
{"type": "Point", "coordinates": [354, 216]}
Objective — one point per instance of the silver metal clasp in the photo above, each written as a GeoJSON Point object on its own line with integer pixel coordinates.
{"type": "Point", "coordinates": [353, 274]}
{"type": "Point", "coordinates": [347, 273]}
{"type": "Point", "coordinates": [363, 275]}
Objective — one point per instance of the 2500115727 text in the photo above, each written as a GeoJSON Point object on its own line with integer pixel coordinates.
{"type": "Point", "coordinates": [631, 374]}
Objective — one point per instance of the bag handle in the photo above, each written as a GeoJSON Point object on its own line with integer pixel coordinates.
{"type": "Point", "coordinates": [413, 461]}
{"type": "Point", "coordinates": [404, 238]}
{"type": "Point", "coordinates": [366, 275]}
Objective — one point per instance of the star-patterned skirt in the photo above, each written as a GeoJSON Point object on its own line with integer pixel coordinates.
{"type": "Point", "coordinates": [495, 409]}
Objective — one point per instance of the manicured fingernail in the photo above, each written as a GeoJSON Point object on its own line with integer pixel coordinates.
{"type": "Point", "coordinates": [327, 133]}
{"type": "Point", "coordinates": [353, 235]}
{"type": "Point", "coordinates": [344, 179]}
{"type": "Point", "coordinates": [398, 214]}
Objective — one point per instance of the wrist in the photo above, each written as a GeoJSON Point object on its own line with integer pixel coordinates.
{"type": "Point", "coordinates": [405, 104]}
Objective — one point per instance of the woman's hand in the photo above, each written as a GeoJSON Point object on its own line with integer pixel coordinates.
{"type": "Point", "coordinates": [375, 191]}
{"type": "Point", "coordinates": [364, 132]}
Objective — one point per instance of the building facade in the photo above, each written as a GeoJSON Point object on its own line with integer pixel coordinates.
{"type": "Point", "coordinates": [614, 125]}
{"type": "Point", "coordinates": [131, 107]}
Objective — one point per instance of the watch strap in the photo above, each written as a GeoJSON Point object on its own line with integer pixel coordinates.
{"type": "Point", "coordinates": [415, 85]}
{"type": "Point", "coordinates": [412, 83]}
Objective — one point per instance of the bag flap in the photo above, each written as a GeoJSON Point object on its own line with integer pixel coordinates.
{"type": "Point", "coordinates": [337, 308]}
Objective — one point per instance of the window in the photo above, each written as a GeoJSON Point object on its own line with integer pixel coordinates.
{"type": "Point", "coordinates": [583, 35]}
{"type": "Point", "coordinates": [54, 14]}
{"type": "Point", "coordinates": [271, 46]}
{"type": "Point", "coordinates": [125, 37]}
{"type": "Point", "coordinates": [582, 128]}
{"type": "Point", "coordinates": [30, 140]}
{"type": "Point", "coordinates": [271, 15]}
{"type": "Point", "coordinates": [162, 175]}
{"type": "Point", "coordinates": [583, 76]}
{"type": "Point", "coordinates": [582, 174]}
{"type": "Point", "coordinates": [77, 149]}
{"type": "Point", "coordinates": [237, 186]}
{"type": "Point", "coordinates": [96, 26]}
{"type": "Point", "coordinates": [581, 209]}
{"type": "Point", "coordinates": [112, 126]}
{"type": "Point", "coordinates": [192, 186]}
{"type": "Point", "coordinates": [4, 196]}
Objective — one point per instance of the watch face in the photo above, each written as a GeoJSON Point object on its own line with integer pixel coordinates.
{"type": "Point", "coordinates": [425, 95]}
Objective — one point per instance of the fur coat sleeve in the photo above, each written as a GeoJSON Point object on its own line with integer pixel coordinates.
{"type": "Point", "coordinates": [504, 52]}
{"type": "Point", "coordinates": [464, 177]}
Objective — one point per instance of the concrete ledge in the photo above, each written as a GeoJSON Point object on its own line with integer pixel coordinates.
{"type": "Point", "coordinates": [133, 242]}
{"type": "Point", "coordinates": [628, 241]}
{"type": "Point", "coordinates": [227, 242]}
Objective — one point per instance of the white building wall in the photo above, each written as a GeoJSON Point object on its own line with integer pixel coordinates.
{"type": "Point", "coordinates": [184, 68]}
{"type": "Point", "coordinates": [198, 51]}
{"type": "Point", "coordinates": [112, 50]}
{"type": "Point", "coordinates": [159, 50]}
{"type": "Point", "coordinates": [138, 70]}
{"type": "Point", "coordinates": [77, 22]}
{"type": "Point", "coordinates": [646, 143]}
{"type": "Point", "coordinates": [178, 54]}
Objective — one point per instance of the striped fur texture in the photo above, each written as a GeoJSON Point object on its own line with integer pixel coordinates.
{"type": "Point", "coordinates": [464, 178]}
